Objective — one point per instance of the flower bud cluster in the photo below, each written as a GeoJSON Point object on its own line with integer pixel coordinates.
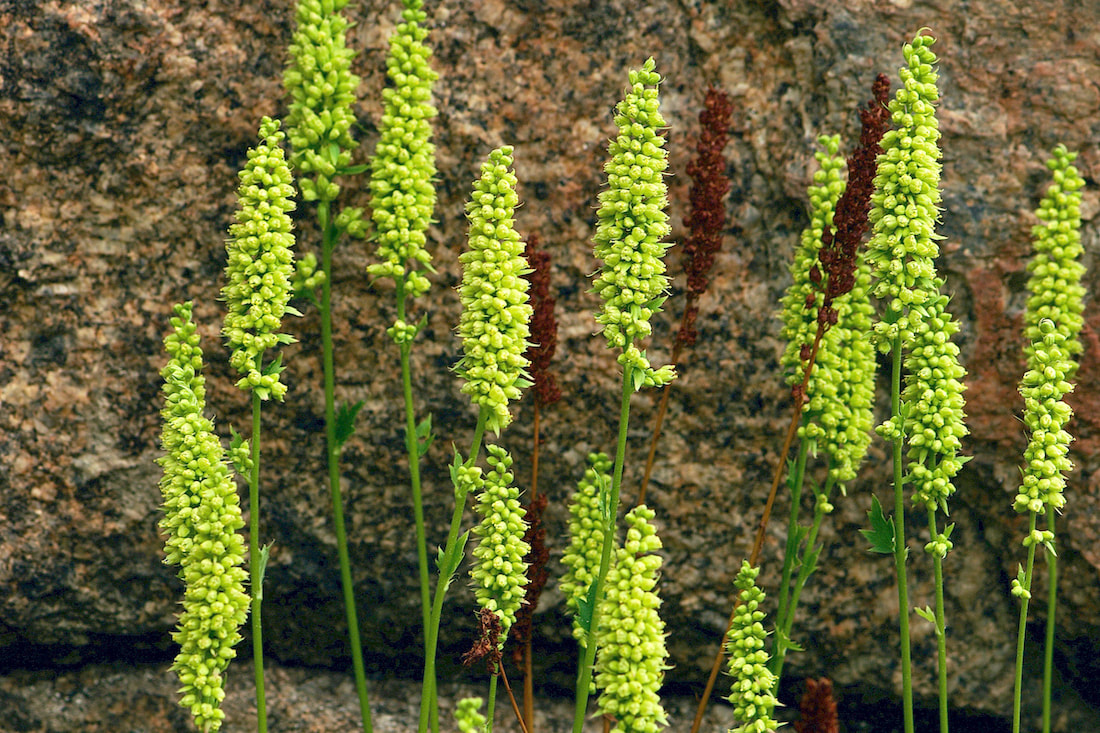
{"type": "Point", "coordinates": [403, 165]}
{"type": "Point", "coordinates": [1046, 415]}
{"type": "Point", "coordinates": [1055, 283]}
{"type": "Point", "coordinates": [468, 715]}
{"type": "Point", "coordinates": [935, 422]}
{"type": "Point", "coordinates": [586, 530]}
{"type": "Point", "coordinates": [322, 91]}
{"type": "Point", "coordinates": [905, 204]}
{"type": "Point", "coordinates": [630, 661]}
{"type": "Point", "coordinates": [632, 220]}
{"type": "Point", "coordinates": [201, 518]}
{"type": "Point", "coordinates": [260, 263]}
{"type": "Point", "coordinates": [496, 314]}
{"type": "Point", "coordinates": [753, 690]}
{"type": "Point", "coordinates": [500, 573]}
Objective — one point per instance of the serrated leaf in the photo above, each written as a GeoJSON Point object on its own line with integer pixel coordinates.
{"type": "Point", "coordinates": [448, 573]}
{"type": "Point", "coordinates": [424, 436]}
{"type": "Point", "coordinates": [881, 534]}
{"type": "Point", "coordinates": [345, 421]}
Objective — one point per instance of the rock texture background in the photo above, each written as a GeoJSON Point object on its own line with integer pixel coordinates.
{"type": "Point", "coordinates": [122, 125]}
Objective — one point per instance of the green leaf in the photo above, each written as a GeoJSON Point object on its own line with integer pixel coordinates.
{"type": "Point", "coordinates": [258, 586]}
{"type": "Point", "coordinates": [447, 573]}
{"type": "Point", "coordinates": [292, 311]}
{"type": "Point", "coordinates": [926, 614]}
{"type": "Point", "coordinates": [424, 436]}
{"type": "Point", "coordinates": [345, 422]}
{"type": "Point", "coordinates": [353, 170]}
{"type": "Point", "coordinates": [585, 607]}
{"type": "Point", "coordinates": [881, 534]}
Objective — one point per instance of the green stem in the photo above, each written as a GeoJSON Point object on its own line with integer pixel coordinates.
{"type": "Point", "coordinates": [795, 481]}
{"type": "Point", "coordinates": [429, 711]}
{"type": "Point", "coordinates": [941, 623]}
{"type": "Point", "coordinates": [492, 702]}
{"type": "Point", "coordinates": [256, 570]}
{"type": "Point", "coordinates": [584, 677]}
{"type": "Point", "coordinates": [900, 550]}
{"type": "Point", "coordinates": [328, 241]}
{"type": "Point", "coordinates": [1021, 631]}
{"type": "Point", "coordinates": [1052, 607]}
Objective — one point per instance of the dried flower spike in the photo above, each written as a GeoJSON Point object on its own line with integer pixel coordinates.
{"type": "Point", "coordinates": [201, 518]}
{"type": "Point", "coordinates": [544, 327]}
{"type": "Point", "coordinates": [322, 91]}
{"type": "Point", "coordinates": [495, 309]}
{"type": "Point", "coordinates": [818, 708]}
{"type": "Point", "coordinates": [260, 264]}
{"type": "Point", "coordinates": [403, 165]}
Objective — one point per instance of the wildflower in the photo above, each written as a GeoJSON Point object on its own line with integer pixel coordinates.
{"type": "Point", "coordinates": [753, 690]}
{"type": "Point", "coordinates": [818, 708]}
{"type": "Point", "coordinates": [495, 309]}
{"type": "Point", "coordinates": [260, 264]}
{"type": "Point", "coordinates": [586, 530]}
{"type": "Point", "coordinates": [468, 715]}
{"type": "Point", "coordinates": [630, 662]}
{"type": "Point", "coordinates": [322, 89]}
{"type": "Point", "coordinates": [403, 165]}
{"type": "Point", "coordinates": [201, 518]}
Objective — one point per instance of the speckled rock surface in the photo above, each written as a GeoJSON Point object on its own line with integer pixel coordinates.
{"type": "Point", "coordinates": [122, 125]}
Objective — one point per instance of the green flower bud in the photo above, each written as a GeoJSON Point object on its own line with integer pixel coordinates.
{"type": "Point", "coordinates": [500, 575]}
{"type": "Point", "coordinates": [632, 220]}
{"type": "Point", "coordinates": [322, 90]}
{"type": "Point", "coordinates": [403, 166]}
{"type": "Point", "coordinates": [752, 693]}
{"type": "Point", "coordinates": [260, 263]}
{"type": "Point", "coordinates": [495, 308]}
{"type": "Point", "coordinates": [468, 715]}
{"type": "Point", "coordinates": [586, 529]}
{"type": "Point", "coordinates": [631, 656]}
{"type": "Point", "coordinates": [201, 518]}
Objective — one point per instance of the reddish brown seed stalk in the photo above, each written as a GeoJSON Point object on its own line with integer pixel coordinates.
{"type": "Point", "coordinates": [706, 222]}
{"type": "Point", "coordinates": [818, 708]}
{"type": "Point", "coordinates": [839, 264]}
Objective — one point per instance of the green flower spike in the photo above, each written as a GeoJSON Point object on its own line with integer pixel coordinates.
{"type": "Point", "coordinates": [1055, 283]}
{"type": "Point", "coordinates": [495, 309]}
{"type": "Point", "coordinates": [403, 166]}
{"type": "Point", "coordinates": [202, 516]}
{"type": "Point", "coordinates": [904, 206]}
{"type": "Point", "coordinates": [586, 528]}
{"type": "Point", "coordinates": [322, 89]}
{"type": "Point", "coordinates": [468, 715]}
{"type": "Point", "coordinates": [630, 662]}
{"type": "Point", "coordinates": [934, 393]}
{"type": "Point", "coordinates": [753, 690]}
{"type": "Point", "coordinates": [500, 575]}
{"type": "Point", "coordinates": [260, 264]}
{"type": "Point", "coordinates": [632, 225]}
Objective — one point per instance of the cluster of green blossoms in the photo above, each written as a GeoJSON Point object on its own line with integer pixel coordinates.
{"type": "Point", "coordinates": [495, 308]}
{"type": "Point", "coordinates": [403, 165]}
{"type": "Point", "coordinates": [630, 662]}
{"type": "Point", "coordinates": [753, 690]}
{"type": "Point", "coordinates": [260, 264]}
{"type": "Point", "coordinates": [632, 225]}
{"type": "Point", "coordinates": [322, 91]}
{"type": "Point", "coordinates": [905, 204]}
{"type": "Point", "coordinates": [586, 529]}
{"type": "Point", "coordinates": [1055, 283]}
{"type": "Point", "coordinates": [201, 518]}
{"type": "Point", "coordinates": [468, 715]}
{"type": "Point", "coordinates": [500, 575]}
{"type": "Point", "coordinates": [839, 414]}
{"type": "Point", "coordinates": [935, 421]}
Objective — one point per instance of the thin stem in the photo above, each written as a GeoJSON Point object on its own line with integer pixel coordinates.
{"type": "Point", "coordinates": [1021, 631]}
{"type": "Point", "coordinates": [900, 550]}
{"type": "Point", "coordinates": [941, 623]}
{"type": "Point", "coordinates": [429, 711]}
{"type": "Point", "coordinates": [1052, 607]}
{"type": "Point", "coordinates": [584, 677]}
{"type": "Point", "coordinates": [256, 570]}
{"type": "Point", "coordinates": [528, 718]}
{"type": "Point", "coordinates": [492, 702]}
{"type": "Point", "coordinates": [658, 423]}
{"type": "Point", "coordinates": [515, 708]}
{"type": "Point", "coordinates": [328, 241]}
{"type": "Point", "coordinates": [791, 552]}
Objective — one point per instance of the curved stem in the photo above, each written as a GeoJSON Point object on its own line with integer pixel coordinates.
{"type": "Point", "coordinates": [611, 504]}
{"type": "Point", "coordinates": [328, 241]}
{"type": "Point", "coordinates": [256, 569]}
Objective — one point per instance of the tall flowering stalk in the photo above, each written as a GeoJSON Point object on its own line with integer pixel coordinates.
{"type": "Point", "coordinates": [323, 90]}
{"type": "Point", "coordinates": [586, 530]}
{"type": "Point", "coordinates": [707, 220]}
{"type": "Point", "coordinates": [752, 692]}
{"type": "Point", "coordinates": [629, 241]}
{"type": "Point", "coordinates": [828, 299]}
{"type": "Point", "coordinates": [1052, 325]}
{"type": "Point", "coordinates": [258, 287]}
{"type": "Point", "coordinates": [494, 327]}
{"type": "Point", "coordinates": [201, 517]}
